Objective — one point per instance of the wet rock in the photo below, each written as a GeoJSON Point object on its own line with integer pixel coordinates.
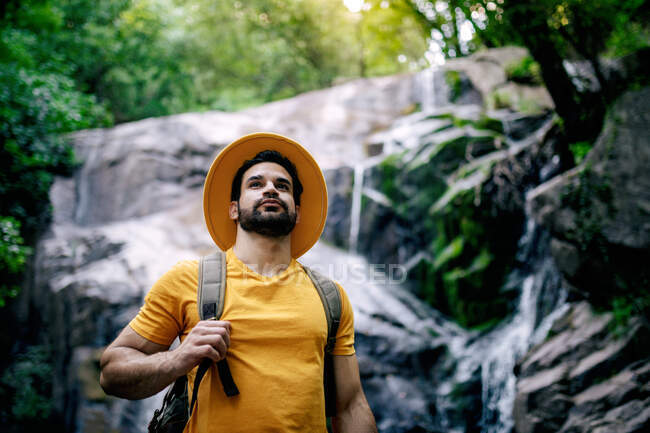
{"type": "Point", "coordinates": [584, 377]}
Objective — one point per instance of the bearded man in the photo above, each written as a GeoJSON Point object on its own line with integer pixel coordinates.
{"type": "Point", "coordinates": [265, 204]}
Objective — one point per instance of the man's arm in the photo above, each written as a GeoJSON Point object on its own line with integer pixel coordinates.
{"type": "Point", "coordinates": [353, 415]}
{"type": "Point", "coordinates": [133, 367]}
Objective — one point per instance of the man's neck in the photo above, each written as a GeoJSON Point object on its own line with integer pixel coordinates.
{"type": "Point", "coordinates": [265, 255]}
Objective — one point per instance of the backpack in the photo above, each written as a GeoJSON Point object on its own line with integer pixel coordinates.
{"type": "Point", "coordinates": [177, 407]}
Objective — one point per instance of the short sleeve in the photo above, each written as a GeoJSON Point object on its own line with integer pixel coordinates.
{"type": "Point", "coordinates": [345, 335]}
{"type": "Point", "coordinates": [161, 318]}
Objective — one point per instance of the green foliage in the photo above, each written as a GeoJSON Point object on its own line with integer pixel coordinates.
{"type": "Point", "coordinates": [623, 309]}
{"type": "Point", "coordinates": [13, 254]}
{"type": "Point", "coordinates": [39, 100]}
{"type": "Point", "coordinates": [580, 150]}
{"type": "Point", "coordinates": [469, 262]}
{"type": "Point", "coordinates": [25, 391]}
{"type": "Point", "coordinates": [390, 38]}
{"type": "Point", "coordinates": [525, 71]}
{"type": "Point", "coordinates": [626, 39]}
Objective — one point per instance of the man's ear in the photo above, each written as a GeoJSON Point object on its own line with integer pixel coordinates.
{"type": "Point", "coordinates": [297, 214]}
{"type": "Point", "coordinates": [233, 210]}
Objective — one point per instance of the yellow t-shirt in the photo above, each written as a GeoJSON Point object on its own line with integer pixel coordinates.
{"type": "Point", "coordinates": [276, 352]}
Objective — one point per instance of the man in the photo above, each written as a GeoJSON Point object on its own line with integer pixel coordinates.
{"type": "Point", "coordinates": [265, 202]}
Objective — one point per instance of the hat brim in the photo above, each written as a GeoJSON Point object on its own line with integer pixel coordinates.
{"type": "Point", "coordinates": [218, 182]}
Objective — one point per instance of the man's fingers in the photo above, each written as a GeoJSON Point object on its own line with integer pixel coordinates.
{"type": "Point", "coordinates": [211, 352]}
{"type": "Point", "coordinates": [215, 324]}
{"type": "Point", "coordinates": [214, 340]}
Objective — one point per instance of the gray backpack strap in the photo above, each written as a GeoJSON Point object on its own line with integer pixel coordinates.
{"type": "Point", "coordinates": [211, 293]}
{"type": "Point", "coordinates": [212, 285]}
{"type": "Point", "coordinates": [331, 299]}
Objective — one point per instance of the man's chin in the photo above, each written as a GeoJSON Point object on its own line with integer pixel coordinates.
{"type": "Point", "coordinates": [271, 224]}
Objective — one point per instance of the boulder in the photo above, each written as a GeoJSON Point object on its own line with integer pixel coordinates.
{"type": "Point", "coordinates": [585, 378]}
{"type": "Point", "coordinates": [599, 212]}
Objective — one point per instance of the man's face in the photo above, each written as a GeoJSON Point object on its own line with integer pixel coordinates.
{"type": "Point", "coordinates": [266, 204]}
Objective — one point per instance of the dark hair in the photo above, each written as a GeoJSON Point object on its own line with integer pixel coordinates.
{"type": "Point", "coordinates": [267, 156]}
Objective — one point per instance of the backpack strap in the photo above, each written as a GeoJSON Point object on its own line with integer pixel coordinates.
{"type": "Point", "coordinates": [331, 299]}
{"type": "Point", "coordinates": [211, 293]}
{"type": "Point", "coordinates": [212, 285]}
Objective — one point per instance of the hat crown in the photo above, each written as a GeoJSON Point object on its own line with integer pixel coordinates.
{"type": "Point", "coordinates": [218, 183]}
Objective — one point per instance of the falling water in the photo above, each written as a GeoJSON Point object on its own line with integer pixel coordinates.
{"type": "Point", "coordinates": [358, 191]}
{"type": "Point", "coordinates": [355, 216]}
{"type": "Point", "coordinates": [428, 95]}
{"type": "Point", "coordinates": [496, 353]}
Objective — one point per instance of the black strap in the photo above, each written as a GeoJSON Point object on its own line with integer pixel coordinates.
{"type": "Point", "coordinates": [227, 381]}
{"type": "Point", "coordinates": [330, 386]}
{"type": "Point", "coordinates": [203, 368]}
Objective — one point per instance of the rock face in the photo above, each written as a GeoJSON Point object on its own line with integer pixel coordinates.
{"type": "Point", "coordinates": [582, 378]}
{"type": "Point", "coordinates": [487, 72]}
{"type": "Point", "coordinates": [599, 212]}
{"type": "Point", "coordinates": [592, 374]}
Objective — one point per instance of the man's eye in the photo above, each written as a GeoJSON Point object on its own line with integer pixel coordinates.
{"type": "Point", "coordinates": [283, 186]}
{"type": "Point", "coordinates": [255, 184]}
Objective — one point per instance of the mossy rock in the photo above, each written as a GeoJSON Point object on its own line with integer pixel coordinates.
{"type": "Point", "coordinates": [525, 71]}
{"type": "Point", "coordinates": [525, 99]}
{"type": "Point", "coordinates": [472, 249]}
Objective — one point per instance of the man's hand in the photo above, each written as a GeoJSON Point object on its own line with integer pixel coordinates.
{"type": "Point", "coordinates": [208, 339]}
{"type": "Point", "coordinates": [133, 367]}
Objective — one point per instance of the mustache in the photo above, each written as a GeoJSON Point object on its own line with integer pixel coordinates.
{"type": "Point", "coordinates": [284, 206]}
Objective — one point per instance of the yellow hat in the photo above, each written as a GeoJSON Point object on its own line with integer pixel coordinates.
{"type": "Point", "coordinates": [218, 183]}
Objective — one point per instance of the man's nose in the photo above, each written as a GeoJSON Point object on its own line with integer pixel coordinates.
{"type": "Point", "coordinates": [270, 190]}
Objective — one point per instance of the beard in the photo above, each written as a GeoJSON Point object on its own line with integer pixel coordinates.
{"type": "Point", "coordinates": [273, 225]}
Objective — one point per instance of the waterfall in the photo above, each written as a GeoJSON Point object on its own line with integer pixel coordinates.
{"type": "Point", "coordinates": [358, 191]}
{"type": "Point", "coordinates": [494, 354]}
{"type": "Point", "coordinates": [428, 84]}
{"type": "Point", "coordinates": [394, 141]}
{"type": "Point", "coordinates": [355, 216]}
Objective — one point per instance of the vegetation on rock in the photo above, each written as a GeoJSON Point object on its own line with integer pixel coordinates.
{"type": "Point", "coordinates": [471, 247]}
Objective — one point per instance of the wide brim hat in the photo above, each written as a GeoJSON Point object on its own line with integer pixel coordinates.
{"type": "Point", "coordinates": [218, 183]}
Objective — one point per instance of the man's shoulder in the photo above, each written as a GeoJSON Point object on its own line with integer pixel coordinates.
{"type": "Point", "coordinates": [183, 273]}
{"type": "Point", "coordinates": [184, 267]}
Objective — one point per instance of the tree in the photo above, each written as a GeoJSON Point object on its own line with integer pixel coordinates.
{"type": "Point", "coordinates": [553, 31]}
{"type": "Point", "coordinates": [38, 101]}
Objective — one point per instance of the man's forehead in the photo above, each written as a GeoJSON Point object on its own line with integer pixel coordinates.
{"type": "Point", "coordinates": [267, 169]}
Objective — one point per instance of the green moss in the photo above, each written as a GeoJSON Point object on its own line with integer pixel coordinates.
{"type": "Point", "coordinates": [616, 278]}
{"type": "Point", "coordinates": [580, 198]}
{"type": "Point", "coordinates": [580, 150]}
{"type": "Point", "coordinates": [525, 71]}
{"type": "Point", "coordinates": [470, 262]}
{"type": "Point", "coordinates": [499, 99]}
{"type": "Point", "coordinates": [490, 124]}
{"type": "Point", "coordinates": [455, 83]}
